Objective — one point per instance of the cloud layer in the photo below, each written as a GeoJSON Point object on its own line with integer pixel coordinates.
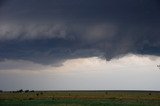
{"type": "Point", "coordinates": [50, 32]}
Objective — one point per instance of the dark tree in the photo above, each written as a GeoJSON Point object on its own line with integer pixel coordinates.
{"type": "Point", "coordinates": [32, 91]}
{"type": "Point", "coordinates": [20, 91]}
{"type": "Point", "coordinates": [26, 91]}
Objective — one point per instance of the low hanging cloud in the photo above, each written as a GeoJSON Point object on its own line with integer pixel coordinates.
{"type": "Point", "coordinates": [51, 32]}
{"type": "Point", "coordinates": [31, 31]}
{"type": "Point", "coordinates": [56, 43]}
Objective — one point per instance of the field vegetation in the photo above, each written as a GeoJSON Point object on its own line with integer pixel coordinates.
{"type": "Point", "coordinates": [80, 98]}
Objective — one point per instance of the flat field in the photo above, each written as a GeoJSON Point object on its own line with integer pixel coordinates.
{"type": "Point", "coordinates": [80, 98]}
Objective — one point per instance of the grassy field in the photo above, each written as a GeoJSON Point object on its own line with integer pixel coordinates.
{"type": "Point", "coordinates": [80, 98]}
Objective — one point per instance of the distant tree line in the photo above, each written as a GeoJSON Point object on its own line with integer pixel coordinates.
{"type": "Point", "coordinates": [23, 91]}
{"type": "Point", "coordinates": [19, 91]}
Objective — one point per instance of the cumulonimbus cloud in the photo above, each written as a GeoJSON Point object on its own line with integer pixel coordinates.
{"type": "Point", "coordinates": [58, 42]}
{"type": "Point", "coordinates": [52, 32]}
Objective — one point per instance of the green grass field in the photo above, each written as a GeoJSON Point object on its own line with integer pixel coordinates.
{"type": "Point", "coordinates": [80, 98]}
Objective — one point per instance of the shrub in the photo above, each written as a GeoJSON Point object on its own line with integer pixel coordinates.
{"type": "Point", "coordinates": [32, 91]}
{"type": "Point", "coordinates": [26, 91]}
{"type": "Point", "coordinates": [41, 93]}
{"type": "Point", "coordinates": [20, 91]}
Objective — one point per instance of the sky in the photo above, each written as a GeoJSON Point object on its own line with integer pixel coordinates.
{"type": "Point", "coordinates": [79, 44]}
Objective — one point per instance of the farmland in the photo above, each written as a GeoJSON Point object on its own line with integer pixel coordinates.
{"type": "Point", "coordinates": [80, 98]}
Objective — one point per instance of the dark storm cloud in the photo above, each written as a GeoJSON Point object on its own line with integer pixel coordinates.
{"type": "Point", "coordinates": [51, 31]}
{"type": "Point", "coordinates": [129, 10]}
{"type": "Point", "coordinates": [1, 2]}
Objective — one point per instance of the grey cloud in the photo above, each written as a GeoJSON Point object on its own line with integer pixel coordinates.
{"type": "Point", "coordinates": [108, 41]}
{"type": "Point", "coordinates": [100, 31]}
{"type": "Point", "coordinates": [32, 31]}
{"type": "Point", "coordinates": [84, 10]}
{"type": "Point", "coordinates": [86, 32]}
{"type": "Point", "coordinates": [50, 32]}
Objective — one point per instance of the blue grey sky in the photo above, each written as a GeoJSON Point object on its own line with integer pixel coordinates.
{"type": "Point", "coordinates": [51, 37]}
